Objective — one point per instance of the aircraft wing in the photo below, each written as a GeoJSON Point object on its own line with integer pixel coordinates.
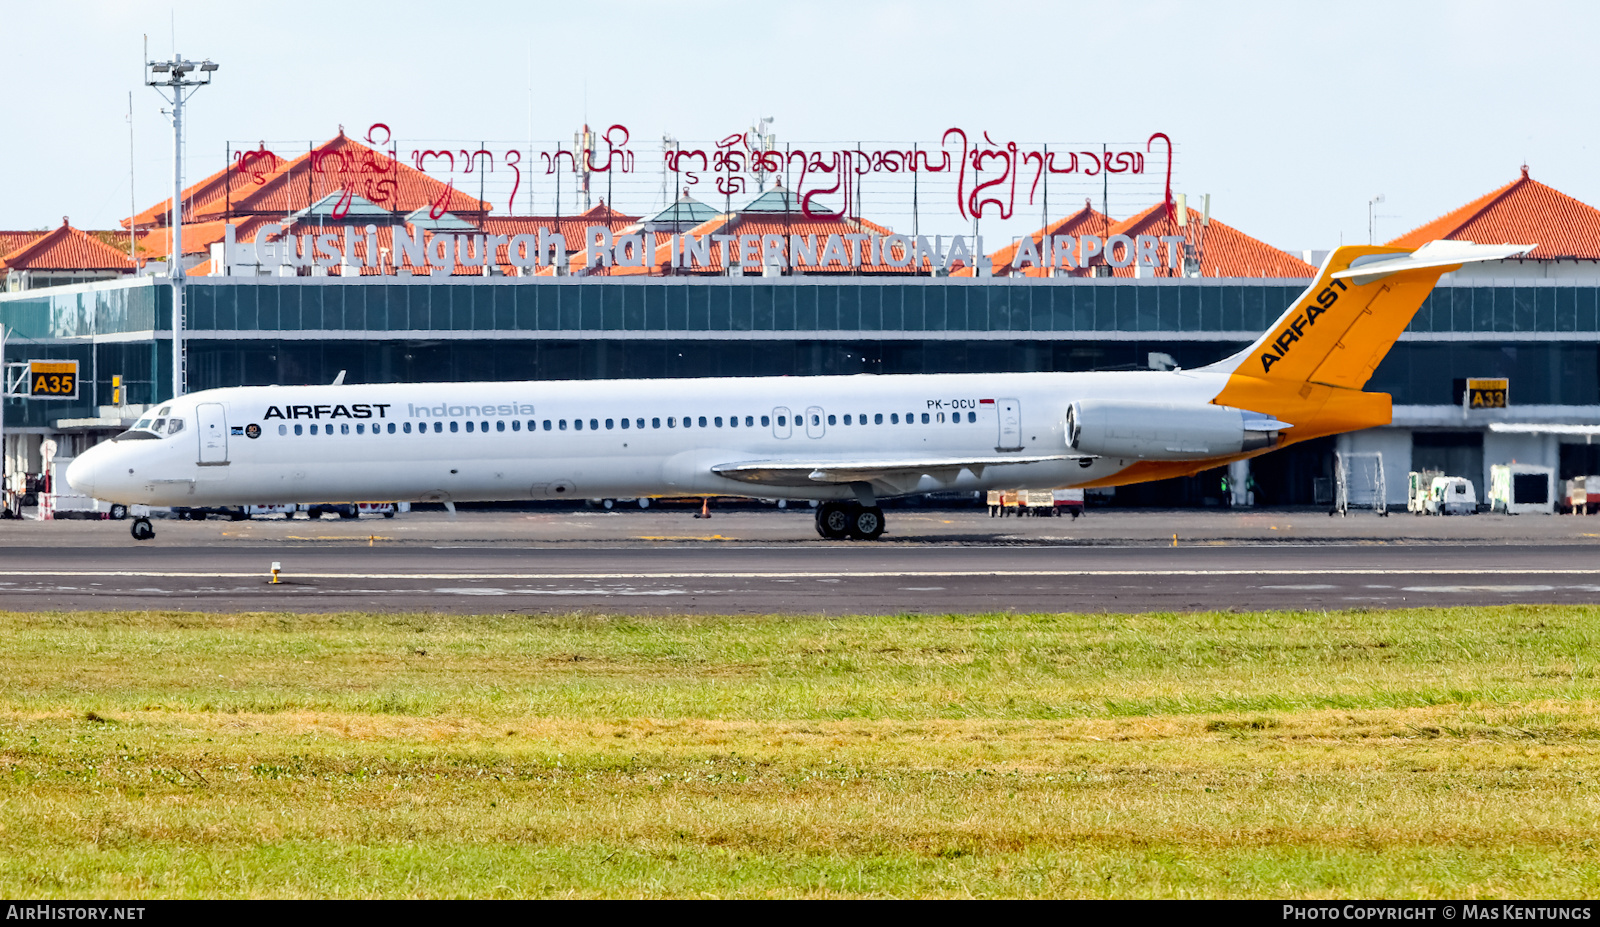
{"type": "Point", "coordinates": [889, 470]}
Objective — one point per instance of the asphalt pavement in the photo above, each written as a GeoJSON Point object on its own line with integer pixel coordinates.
{"type": "Point", "coordinates": [754, 561]}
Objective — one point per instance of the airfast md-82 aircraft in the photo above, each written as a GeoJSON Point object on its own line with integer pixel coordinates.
{"type": "Point", "coordinates": [843, 441]}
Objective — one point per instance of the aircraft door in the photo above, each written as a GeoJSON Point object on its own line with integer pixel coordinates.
{"type": "Point", "coordinates": [1010, 438]}
{"type": "Point", "coordinates": [780, 422]}
{"type": "Point", "coordinates": [212, 424]}
{"type": "Point", "coordinates": [814, 425]}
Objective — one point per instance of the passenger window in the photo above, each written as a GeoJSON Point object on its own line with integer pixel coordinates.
{"type": "Point", "coordinates": [297, 430]}
{"type": "Point", "coordinates": [655, 423]}
{"type": "Point", "coordinates": [456, 427]}
{"type": "Point", "coordinates": [877, 419]}
{"type": "Point", "coordinates": [816, 419]}
{"type": "Point", "coordinates": [624, 424]}
{"type": "Point", "coordinates": [894, 418]}
{"type": "Point", "coordinates": [313, 429]}
{"type": "Point", "coordinates": [594, 424]}
{"type": "Point", "coordinates": [765, 421]}
{"type": "Point", "coordinates": [750, 421]}
{"type": "Point", "coordinates": [438, 428]}
{"type": "Point", "coordinates": [469, 428]}
{"type": "Point", "coordinates": [516, 425]}
{"type": "Point", "coordinates": [344, 429]}
{"type": "Point", "coordinates": [361, 429]}
{"type": "Point", "coordinates": [846, 418]}
{"type": "Point", "coordinates": [561, 424]}
{"type": "Point", "coordinates": [641, 423]}
{"type": "Point", "coordinates": [717, 421]}
{"type": "Point", "coordinates": [782, 421]}
{"type": "Point", "coordinates": [405, 428]}
{"type": "Point", "coordinates": [484, 426]}
{"type": "Point", "coordinates": [283, 430]}
{"type": "Point", "coordinates": [941, 418]}
{"type": "Point", "coordinates": [609, 424]}
{"type": "Point", "coordinates": [577, 424]}
{"type": "Point", "coordinates": [702, 421]}
{"type": "Point", "coordinates": [832, 419]}
{"type": "Point", "coordinates": [499, 426]}
{"type": "Point", "coordinates": [972, 417]}
{"type": "Point", "coordinates": [546, 424]}
{"type": "Point", "coordinates": [862, 418]}
{"type": "Point", "coordinates": [924, 418]}
{"type": "Point", "coordinates": [672, 422]}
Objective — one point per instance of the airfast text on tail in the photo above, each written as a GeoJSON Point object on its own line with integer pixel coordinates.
{"type": "Point", "coordinates": [1310, 366]}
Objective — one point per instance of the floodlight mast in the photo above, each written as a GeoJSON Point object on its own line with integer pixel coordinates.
{"type": "Point", "coordinates": [182, 77]}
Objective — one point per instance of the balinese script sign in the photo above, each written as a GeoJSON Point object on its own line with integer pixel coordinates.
{"type": "Point", "coordinates": [986, 177]}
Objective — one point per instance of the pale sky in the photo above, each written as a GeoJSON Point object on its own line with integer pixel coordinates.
{"type": "Point", "coordinates": [1291, 115]}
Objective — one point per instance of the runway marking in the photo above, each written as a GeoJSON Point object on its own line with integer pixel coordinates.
{"type": "Point", "coordinates": [831, 575]}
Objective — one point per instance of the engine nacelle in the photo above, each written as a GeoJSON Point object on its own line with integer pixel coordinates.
{"type": "Point", "coordinates": [1166, 431]}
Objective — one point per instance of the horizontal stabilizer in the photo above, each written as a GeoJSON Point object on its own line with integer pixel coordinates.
{"type": "Point", "coordinates": [812, 472]}
{"type": "Point", "coordinates": [1441, 253]}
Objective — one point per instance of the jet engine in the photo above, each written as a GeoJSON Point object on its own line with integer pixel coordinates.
{"type": "Point", "coordinates": [1166, 431]}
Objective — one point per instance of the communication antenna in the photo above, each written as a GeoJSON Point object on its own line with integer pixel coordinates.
{"type": "Point", "coordinates": [669, 144]}
{"type": "Point", "coordinates": [762, 140]}
{"type": "Point", "coordinates": [1372, 217]}
{"type": "Point", "coordinates": [582, 144]}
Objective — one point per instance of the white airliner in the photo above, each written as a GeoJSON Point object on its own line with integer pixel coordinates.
{"type": "Point", "coordinates": [844, 441]}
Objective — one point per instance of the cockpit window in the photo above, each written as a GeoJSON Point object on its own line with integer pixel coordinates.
{"type": "Point", "coordinates": [174, 425]}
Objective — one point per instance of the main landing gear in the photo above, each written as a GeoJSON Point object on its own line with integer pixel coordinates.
{"type": "Point", "coordinates": [839, 520]}
{"type": "Point", "coordinates": [142, 529]}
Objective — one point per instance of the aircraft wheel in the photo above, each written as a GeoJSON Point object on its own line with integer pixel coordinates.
{"type": "Point", "coordinates": [834, 520]}
{"type": "Point", "coordinates": [866, 524]}
{"type": "Point", "coordinates": [142, 530]}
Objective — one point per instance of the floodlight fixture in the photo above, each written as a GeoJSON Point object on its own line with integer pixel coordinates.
{"type": "Point", "coordinates": [176, 88]}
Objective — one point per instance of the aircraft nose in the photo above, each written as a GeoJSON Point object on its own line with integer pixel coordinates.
{"type": "Point", "coordinates": [81, 473]}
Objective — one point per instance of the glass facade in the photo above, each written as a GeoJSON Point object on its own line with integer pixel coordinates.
{"type": "Point", "coordinates": [305, 330]}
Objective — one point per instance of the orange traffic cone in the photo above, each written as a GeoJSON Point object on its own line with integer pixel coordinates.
{"type": "Point", "coordinates": [705, 508]}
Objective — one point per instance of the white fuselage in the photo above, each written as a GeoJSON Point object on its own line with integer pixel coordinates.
{"type": "Point", "coordinates": [567, 439]}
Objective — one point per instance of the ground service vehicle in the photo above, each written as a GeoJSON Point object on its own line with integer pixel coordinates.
{"type": "Point", "coordinates": [1452, 495]}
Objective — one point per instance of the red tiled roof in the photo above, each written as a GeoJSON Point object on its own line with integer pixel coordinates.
{"type": "Point", "coordinates": [269, 185]}
{"type": "Point", "coordinates": [1086, 221]}
{"type": "Point", "coordinates": [1523, 211]}
{"type": "Point", "coordinates": [67, 248]}
{"type": "Point", "coordinates": [1224, 250]}
{"type": "Point", "coordinates": [11, 241]}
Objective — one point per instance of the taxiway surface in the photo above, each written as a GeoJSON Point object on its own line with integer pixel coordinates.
{"type": "Point", "coordinates": [754, 562]}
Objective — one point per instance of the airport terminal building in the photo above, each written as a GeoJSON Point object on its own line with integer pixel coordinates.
{"type": "Point", "coordinates": [1534, 321]}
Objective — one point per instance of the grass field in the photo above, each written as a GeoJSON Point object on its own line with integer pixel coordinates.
{"type": "Point", "coordinates": [1366, 753]}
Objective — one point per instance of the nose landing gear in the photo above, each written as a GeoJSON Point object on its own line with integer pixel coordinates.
{"type": "Point", "coordinates": [142, 530]}
{"type": "Point", "coordinates": [839, 520]}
